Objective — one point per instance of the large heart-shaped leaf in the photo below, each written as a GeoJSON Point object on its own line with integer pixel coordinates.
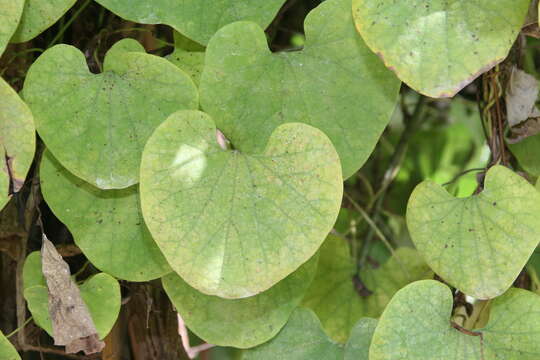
{"type": "Point", "coordinates": [196, 19]}
{"type": "Point", "coordinates": [335, 84]}
{"type": "Point", "coordinates": [38, 16]}
{"type": "Point", "coordinates": [231, 223]}
{"type": "Point", "coordinates": [439, 46]}
{"type": "Point", "coordinates": [334, 298]}
{"type": "Point", "coordinates": [7, 351]}
{"type": "Point", "coordinates": [101, 293]}
{"type": "Point", "coordinates": [241, 323]}
{"type": "Point", "coordinates": [110, 115]}
{"type": "Point", "coordinates": [526, 151]}
{"type": "Point", "coordinates": [301, 339]}
{"type": "Point", "coordinates": [416, 326]}
{"type": "Point", "coordinates": [107, 225]}
{"type": "Point", "coordinates": [17, 141]}
{"type": "Point", "coordinates": [478, 244]}
{"type": "Point", "coordinates": [9, 19]}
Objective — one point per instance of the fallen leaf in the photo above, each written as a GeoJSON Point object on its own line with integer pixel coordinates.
{"type": "Point", "coordinates": [72, 324]}
{"type": "Point", "coordinates": [528, 128]}
{"type": "Point", "coordinates": [521, 97]}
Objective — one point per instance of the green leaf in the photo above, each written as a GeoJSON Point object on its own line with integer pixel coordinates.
{"type": "Point", "coordinates": [526, 151]}
{"type": "Point", "coordinates": [7, 351]}
{"type": "Point", "coordinates": [233, 224]}
{"type": "Point", "coordinates": [438, 47]}
{"type": "Point", "coordinates": [357, 347]}
{"type": "Point", "coordinates": [196, 19]}
{"type": "Point", "coordinates": [107, 225]}
{"type": "Point", "coordinates": [188, 56]}
{"type": "Point", "coordinates": [38, 16]}
{"type": "Point", "coordinates": [416, 326]}
{"type": "Point", "coordinates": [9, 19]}
{"type": "Point", "coordinates": [32, 274]}
{"type": "Point", "coordinates": [301, 339]}
{"type": "Point", "coordinates": [335, 84]}
{"type": "Point", "coordinates": [242, 323]}
{"type": "Point", "coordinates": [334, 298]}
{"type": "Point", "coordinates": [101, 293]}
{"type": "Point", "coordinates": [17, 141]}
{"type": "Point", "coordinates": [478, 244]}
{"type": "Point", "coordinates": [97, 124]}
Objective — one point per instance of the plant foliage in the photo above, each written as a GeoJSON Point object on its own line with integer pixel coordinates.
{"type": "Point", "coordinates": [256, 176]}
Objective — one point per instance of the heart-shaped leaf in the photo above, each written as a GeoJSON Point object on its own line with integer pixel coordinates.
{"type": "Point", "coordinates": [7, 351]}
{"type": "Point", "coordinates": [17, 141]}
{"type": "Point", "coordinates": [335, 84]}
{"type": "Point", "coordinates": [478, 244]}
{"type": "Point", "coordinates": [242, 323]}
{"type": "Point", "coordinates": [101, 293]}
{"type": "Point", "coordinates": [301, 339]}
{"type": "Point", "coordinates": [526, 151]}
{"type": "Point", "coordinates": [107, 225]}
{"type": "Point", "coordinates": [9, 19]}
{"type": "Point", "coordinates": [416, 326]}
{"type": "Point", "coordinates": [196, 19]}
{"type": "Point", "coordinates": [335, 299]}
{"type": "Point", "coordinates": [38, 16]}
{"type": "Point", "coordinates": [438, 47]}
{"type": "Point", "coordinates": [110, 115]}
{"type": "Point", "coordinates": [231, 223]}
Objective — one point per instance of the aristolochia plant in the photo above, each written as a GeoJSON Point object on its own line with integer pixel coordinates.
{"type": "Point", "coordinates": [271, 181]}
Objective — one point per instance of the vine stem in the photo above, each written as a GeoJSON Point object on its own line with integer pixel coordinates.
{"type": "Point", "coordinates": [465, 172]}
{"type": "Point", "coordinates": [411, 127]}
{"type": "Point", "coordinates": [69, 22]}
{"type": "Point", "coordinates": [413, 123]}
{"type": "Point", "coordinates": [20, 327]}
{"type": "Point", "coordinates": [192, 352]}
{"type": "Point", "coordinates": [371, 223]}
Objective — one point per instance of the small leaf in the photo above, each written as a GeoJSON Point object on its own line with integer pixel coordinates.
{"type": "Point", "coordinates": [188, 56]}
{"type": "Point", "coordinates": [241, 323]}
{"type": "Point", "coordinates": [481, 243]}
{"type": "Point", "coordinates": [334, 84]}
{"type": "Point", "coordinates": [107, 225]}
{"type": "Point", "coordinates": [233, 224]}
{"type": "Point", "coordinates": [32, 273]}
{"type": "Point", "coordinates": [334, 298]}
{"type": "Point", "coordinates": [9, 19]}
{"type": "Point", "coordinates": [357, 347]}
{"type": "Point", "coordinates": [38, 16]}
{"type": "Point", "coordinates": [416, 326]}
{"type": "Point", "coordinates": [301, 339]}
{"type": "Point", "coordinates": [7, 351]}
{"type": "Point", "coordinates": [97, 125]}
{"type": "Point", "coordinates": [17, 141]}
{"type": "Point", "coordinates": [101, 293]}
{"type": "Point", "coordinates": [196, 19]}
{"type": "Point", "coordinates": [438, 47]}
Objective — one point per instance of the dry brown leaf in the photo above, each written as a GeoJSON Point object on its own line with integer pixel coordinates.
{"type": "Point", "coordinates": [522, 131]}
{"type": "Point", "coordinates": [521, 97]}
{"type": "Point", "coordinates": [72, 324]}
